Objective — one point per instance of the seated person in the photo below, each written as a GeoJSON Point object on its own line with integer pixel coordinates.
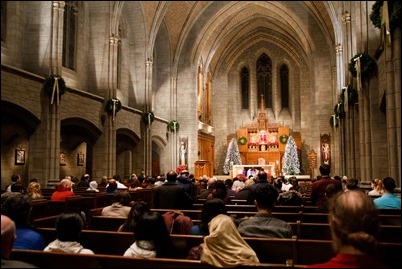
{"type": "Point", "coordinates": [152, 239]}
{"type": "Point", "coordinates": [263, 224]}
{"type": "Point", "coordinates": [18, 208]}
{"type": "Point", "coordinates": [354, 223]}
{"type": "Point", "coordinates": [7, 241]}
{"type": "Point", "coordinates": [224, 246]}
{"type": "Point", "coordinates": [136, 211]}
{"type": "Point", "coordinates": [388, 200]}
{"type": "Point", "coordinates": [68, 231]}
{"type": "Point", "coordinates": [63, 190]}
{"type": "Point", "coordinates": [210, 209]}
{"type": "Point", "coordinates": [121, 206]}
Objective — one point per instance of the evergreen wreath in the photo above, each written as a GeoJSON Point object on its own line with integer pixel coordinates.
{"type": "Point", "coordinates": [394, 18]}
{"type": "Point", "coordinates": [242, 140]}
{"type": "Point", "coordinates": [148, 117]}
{"type": "Point", "coordinates": [283, 139]}
{"type": "Point", "coordinates": [49, 84]}
{"type": "Point", "coordinates": [109, 105]}
{"type": "Point", "coordinates": [173, 126]}
{"type": "Point", "coordinates": [367, 64]}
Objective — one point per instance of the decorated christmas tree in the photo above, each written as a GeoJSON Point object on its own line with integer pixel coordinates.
{"type": "Point", "coordinates": [232, 156]}
{"type": "Point", "coordinates": [290, 160]}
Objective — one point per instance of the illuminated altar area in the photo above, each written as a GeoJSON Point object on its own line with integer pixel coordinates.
{"type": "Point", "coordinates": [263, 143]}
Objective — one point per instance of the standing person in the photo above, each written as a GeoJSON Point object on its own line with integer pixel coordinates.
{"type": "Point", "coordinates": [171, 195]}
{"type": "Point", "coordinates": [263, 224]}
{"type": "Point", "coordinates": [18, 208]}
{"type": "Point", "coordinates": [354, 223]}
{"type": "Point", "coordinates": [68, 231]}
{"type": "Point", "coordinates": [388, 199]}
{"type": "Point", "coordinates": [318, 197]}
{"type": "Point", "coordinates": [8, 237]}
{"type": "Point", "coordinates": [224, 246]}
{"type": "Point", "coordinates": [262, 180]}
{"type": "Point", "coordinates": [189, 187]}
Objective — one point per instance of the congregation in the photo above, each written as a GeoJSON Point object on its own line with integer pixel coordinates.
{"type": "Point", "coordinates": [353, 215]}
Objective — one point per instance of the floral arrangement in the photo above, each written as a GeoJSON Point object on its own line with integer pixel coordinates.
{"type": "Point", "coordinates": [273, 144]}
{"type": "Point", "coordinates": [173, 126]}
{"type": "Point", "coordinates": [252, 144]}
{"type": "Point", "coordinates": [109, 105]}
{"type": "Point", "coordinates": [148, 117]}
{"type": "Point", "coordinates": [242, 140]}
{"type": "Point", "coordinates": [367, 64]}
{"type": "Point", "coordinates": [54, 85]}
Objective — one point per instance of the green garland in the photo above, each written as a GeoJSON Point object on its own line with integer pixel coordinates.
{"type": "Point", "coordinates": [109, 106]}
{"type": "Point", "coordinates": [283, 139]}
{"type": "Point", "coordinates": [173, 126]}
{"type": "Point", "coordinates": [367, 63]}
{"type": "Point", "coordinates": [394, 18]}
{"type": "Point", "coordinates": [148, 116]}
{"type": "Point", "coordinates": [49, 84]}
{"type": "Point", "coordinates": [340, 110]}
{"type": "Point", "coordinates": [242, 140]}
{"type": "Point", "coordinates": [352, 95]}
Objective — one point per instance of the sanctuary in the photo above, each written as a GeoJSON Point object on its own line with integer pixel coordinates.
{"type": "Point", "coordinates": [263, 143]}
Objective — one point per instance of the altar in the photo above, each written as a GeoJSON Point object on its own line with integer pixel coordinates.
{"type": "Point", "coordinates": [242, 169]}
{"type": "Point", "coordinates": [263, 143]}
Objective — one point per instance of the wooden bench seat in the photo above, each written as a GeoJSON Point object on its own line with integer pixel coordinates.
{"type": "Point", "coordinates": [68, 260]}
{"type": "Point", "coordinates": [268, 250]}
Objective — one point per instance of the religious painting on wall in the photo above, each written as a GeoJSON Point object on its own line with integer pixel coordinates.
{"type": "Point", "coordinates": [325, 149]}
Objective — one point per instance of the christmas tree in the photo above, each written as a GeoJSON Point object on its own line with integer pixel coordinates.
{"type": "Point", "coordinates": [232, 156]}
{"type": "Point", "coordinates": [290, 160]}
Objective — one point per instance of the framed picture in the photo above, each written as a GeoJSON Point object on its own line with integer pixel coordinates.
{"type": "Point", "coordinates": [20, 156]}
{"type": "Point", "coordinates": [62, 159]}
{"type": "Point", "coordinates": [80, 159]}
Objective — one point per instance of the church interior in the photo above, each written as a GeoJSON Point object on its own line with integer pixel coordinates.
{"type": "Point", "coordinates": [120, 87]}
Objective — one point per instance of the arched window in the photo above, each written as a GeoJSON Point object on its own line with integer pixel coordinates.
{"type": "Point", "coordinates": [244, 90]}
{"type": "Point", "coordinates": [69, 34]}
{"type": "Point", "coordinates": [264, 80]}
{"type": "Point", "coordinates": [284, 77]}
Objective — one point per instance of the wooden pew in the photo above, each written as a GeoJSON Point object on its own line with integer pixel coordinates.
{"type": "Point", "coordinates": [321, 231]}
{"type": "Point", "coordinates": [68, 260]}
{"type": "Point", "coordinates": [390, 220]}
{"type": "Point", "coordinates": [39, 209]}
{"type": "Point", "coordinates": [116, 243]}
{"type": "Point", "coordinates": [319, 251]}
{"type": "Point", "coordinates": [272, 250]}
{"type": "Point", "coordinates": [71, 204]}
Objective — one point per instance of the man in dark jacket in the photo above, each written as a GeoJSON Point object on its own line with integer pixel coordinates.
{"type": "Point", "coordinates": [171, 195]}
